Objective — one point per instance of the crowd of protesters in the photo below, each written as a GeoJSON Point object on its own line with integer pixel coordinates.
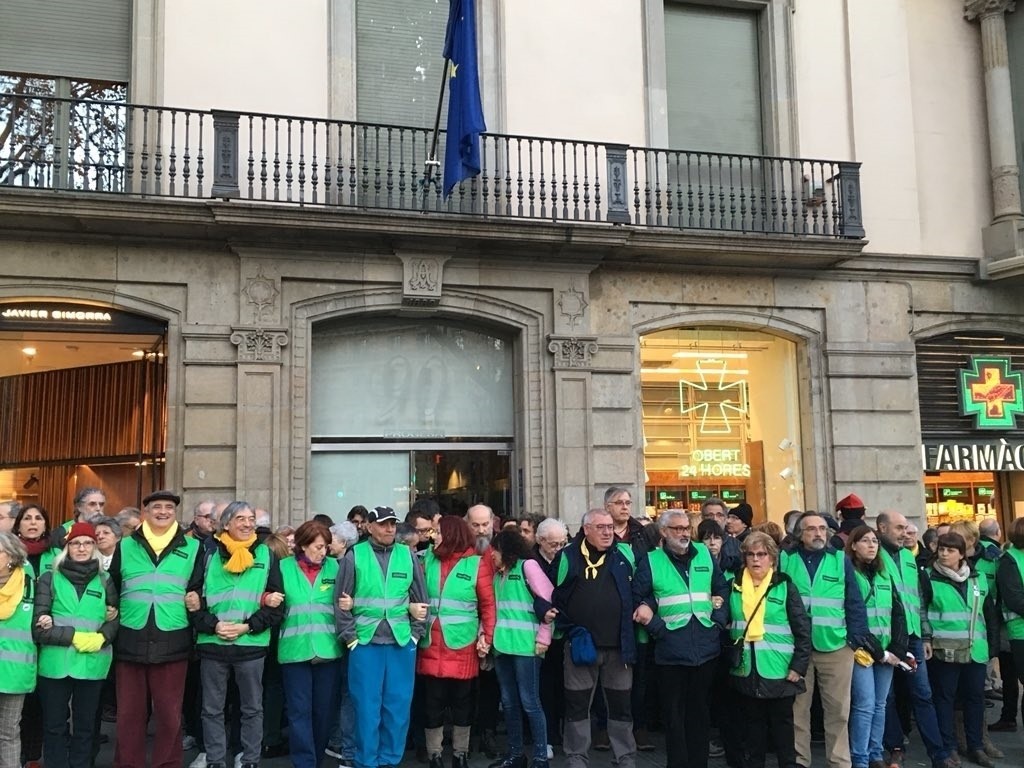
{"type": "Point", "coordinates": [373, 635]}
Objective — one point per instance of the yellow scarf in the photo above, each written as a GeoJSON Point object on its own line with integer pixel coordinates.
{"type": "Point", "coordinates": [241, 558]}
{"type": "Point", "coordinates": [590, 570]}
{"type": "Point", "coordinates": [158, 541]}
{"type": "Point", "coordinates": [11, 593]}
{"type": "Point", "coordinates": [752, 600]}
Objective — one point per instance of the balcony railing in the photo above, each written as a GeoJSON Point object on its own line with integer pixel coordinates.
{"type": "Point", "coordinates": [128, 149]}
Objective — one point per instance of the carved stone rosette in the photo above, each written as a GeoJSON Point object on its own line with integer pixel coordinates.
{"type": "Point", "coordinates": [259, 345]}
{"type": "Point", "coordinates": [974, 9]}
{"type": "Point", "coordinates": [572, 352]}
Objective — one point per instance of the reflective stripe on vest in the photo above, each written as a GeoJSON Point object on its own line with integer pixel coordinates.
{"type": "Point", "coordinates": [155, 588]}
{"type": "Point", "coordinates": [86, 614]}
{"type": "Point", "coordinates": [1014, 622]}
{"type": "Point", "coordinates": [16, 644]}
{"type": "Point", "coordinates": [905, 575]}
{"type": "Point", "coordinates": [454, 604]}
{"type": "Point", "coordinates": [878, 602]}
{"type": "Point", "coordinates": [954, 618]}
{"type": "Point", "coordinates": [376, 599]}
{"type": "Point", "coordinates": [235, 597]}
{"type": "Point", "coordinates": [772, 654]}
{"type": "Point", "coordinates": [824, 599]}
{"type": "Point", "coordinates": [677, 601]}
{"type": "Point", "coordinates": [307, 631]}
{"type": "Point", "coordinates": [515, 632]}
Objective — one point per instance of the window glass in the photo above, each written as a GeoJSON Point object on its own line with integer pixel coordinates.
{"type": "Point", "coordinates": [339, 481]}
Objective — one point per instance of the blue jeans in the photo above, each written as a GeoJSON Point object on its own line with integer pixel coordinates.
{"type": "Point", "coordinates": [519, 679]}
{"type": "Point", "coordinates": [310, 692]}
{"type": "Point", "coordinates": [868, 695]}
{"type": "Point", "coordinates": [343, 737]}
{"type": "Point", "coordinates": [924, 710]}
{"type": "Point", "coordinates": [969, 680]}
{"type": "Point", "coordinates": [380, 679]}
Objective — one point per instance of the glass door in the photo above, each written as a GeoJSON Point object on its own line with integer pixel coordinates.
{"type": "Point", "coordinates": [459, 479]}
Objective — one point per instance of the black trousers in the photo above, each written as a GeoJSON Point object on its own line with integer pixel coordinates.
{"type": "Point", "coordinates": [67, 699]}
{"type": "Point", "coordinates": [445, 694]}
{"type": "Point", "coordinates": [552, 689]}
{"type": "Point", "coordinates": [766, 721]}
{"type": "Point", "coordinates": [488, 698]}
{"type": "Point", "coordinates": [686, 712]}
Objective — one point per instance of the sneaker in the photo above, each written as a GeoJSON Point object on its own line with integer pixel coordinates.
{"type": "Point", "coordinates": [896, 758]}
{"type": "Point", "coordinates": [978, 757]}
{"type": "Point", "coordinates": [519, 761]}
{"type": "Point", "coordinates": [601, 741]}
{"type": "Point", "coordinates": [188, 742]}
{"type": "Point", "coordinates": [200, 762]}
{"type": "Point", "coordinates": [715, 748]}
{"type": "Point", "coordinates": [991, 750]}
{"type": "Point", "coordinates": [238, 760]}
{"type": "Point", "coordinates": [551, 752]}
{"type": "Point", "coordinates": [333, 750]}
{"type": "Point", "coordinates": [643, 740]}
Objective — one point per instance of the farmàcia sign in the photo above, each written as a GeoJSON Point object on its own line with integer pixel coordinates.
{"type": "Point", "coordinates": [1000, 455]}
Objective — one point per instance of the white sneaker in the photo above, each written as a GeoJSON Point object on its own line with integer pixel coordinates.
{"type": "Point", "coordinates": [199, 762]}
{"type": "Point", "coordinates": [238, 760]}
{"type": "Point", "coordinates": [188, 742]}
{"type": "Point", "coordinates": [551, 752]}
{"type": "Point", "coordinates": [334, 752]}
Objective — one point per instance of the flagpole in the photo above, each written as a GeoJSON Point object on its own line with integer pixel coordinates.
{"type": "Point", "coordinates": [431, 162]}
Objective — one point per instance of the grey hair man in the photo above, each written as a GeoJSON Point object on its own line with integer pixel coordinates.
{"type": "Point", "coordinates": [618, 502]}
{"type": "Point", "coordinates": [714, 509]}
{"type": "Point", "coordinates": [990, 533]}
{"type": "Point", "coordinates": [8, 513]}
{"type": "Point", "coordinates": [87, 502]}
{"type": "Point", "coordinates": [203, 523]}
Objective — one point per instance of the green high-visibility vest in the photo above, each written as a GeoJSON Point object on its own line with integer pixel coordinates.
{"type": "Point", "coordinates": [85, 614]}
{"type": "Point", "coordinates": [1014, 621]}
{"type": "Point", "coordinates": [773, 653]}
{"type": "Point", "coordinates": [515, 631]}
{"type": "Point", "coordinates": [307, 631]}
{"type": "Point", "coordinates": [954, 618]}
{"type": "Point", "coordinates": [17, 649]}
{"type": "Point", "coordinates": [824, 599]}
{"type": "Point", "coordinates": [235, 597]}
{"type": "Point", "coordinates": [377, 599]}
{"type": "Point", "coordinates": [905, 575]}
{"type": "Point", "coordinates": [677, 602]}
{"type": "Point", "coordinates": [454, 604]}
{"type": "Point", "coordinates": [160, 589]}
{"type": "Point", "coordinates": [988, 567]}
{"type": "Point", "coordinates": [878, 601]}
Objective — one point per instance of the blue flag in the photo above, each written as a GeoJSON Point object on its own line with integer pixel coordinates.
{"type": "Point", "coordinates": [465, 114]}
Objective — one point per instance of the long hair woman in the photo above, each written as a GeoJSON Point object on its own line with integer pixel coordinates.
{"type": "Point", "coordinates": [461, 627]}
{"type": "Point", "coordinates": [873, 667]}
{"type": "Point", "coordinates": [521, 636]}
{"type": "Point", "coordinates": [16, 646]}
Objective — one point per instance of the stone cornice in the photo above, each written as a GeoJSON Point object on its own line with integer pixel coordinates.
{"type": "Point", "coordinates": [974, 9]}
{"type": "Point", "coordinates": [44, 215]}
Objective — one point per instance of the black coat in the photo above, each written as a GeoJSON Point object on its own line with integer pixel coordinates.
{"type": "Point", "coordinates": [152, 645]}
{"type": "Point", "coordinates": [757, 687]}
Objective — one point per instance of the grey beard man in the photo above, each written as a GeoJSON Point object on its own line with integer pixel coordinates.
{"type": "Point", "coordinates": [481, 519]}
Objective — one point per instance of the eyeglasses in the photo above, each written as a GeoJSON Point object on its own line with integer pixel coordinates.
{"type": "Point", "coordinates": [82, 544]}
{"type": "Point", "coordinates": [558, 544]}
{"type": "Point", "coordinates": [622, 503]}
{"type": "Point", "coordinates": [755, 555]}
{"type": "Point", "coordinates": [678, 528]}
{"type": "Point", "coordinates": [609, 528]}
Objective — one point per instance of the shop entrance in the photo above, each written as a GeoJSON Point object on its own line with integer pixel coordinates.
{"type": "Point", "coordinates": [82, 404]}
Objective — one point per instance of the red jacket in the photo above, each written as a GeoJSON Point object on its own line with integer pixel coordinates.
{"type": "Point", "coordinates": [438, 660]}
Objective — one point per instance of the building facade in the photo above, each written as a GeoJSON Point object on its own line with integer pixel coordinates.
{"type": "Point", "coordinates": [678, 296]}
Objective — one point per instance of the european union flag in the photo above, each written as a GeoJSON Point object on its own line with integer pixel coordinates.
{"type": "Point", "coordinates": [465, 114]}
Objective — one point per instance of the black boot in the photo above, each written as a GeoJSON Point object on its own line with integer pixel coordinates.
{"type": "Point", "coordinates": [489, 745]}
{"type": "Point", "coordinates": [519, 761]}
{"type": "Point", "coordinates": [459, 760]}
{"type": "Point", "coordinates": [436, 761]}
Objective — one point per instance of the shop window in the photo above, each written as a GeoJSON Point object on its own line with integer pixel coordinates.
{"type": "Point", "coordinates": [720, 418]}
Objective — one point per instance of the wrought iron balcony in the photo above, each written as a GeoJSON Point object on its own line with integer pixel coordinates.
{"type": "Point", "coordinates": [128, 149]}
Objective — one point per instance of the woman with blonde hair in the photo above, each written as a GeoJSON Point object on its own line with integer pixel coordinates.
{"type": "Point", "coordinates": [16, 646]}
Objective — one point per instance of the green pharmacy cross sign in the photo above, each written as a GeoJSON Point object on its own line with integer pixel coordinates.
{"type": "Point", "coordinates": [991, 392]}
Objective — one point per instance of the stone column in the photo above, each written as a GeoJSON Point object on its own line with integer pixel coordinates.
{"type": "Point", "coordinates": [1002, 142]}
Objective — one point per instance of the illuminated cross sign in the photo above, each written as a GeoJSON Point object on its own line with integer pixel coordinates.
{"type": "Point", "coordinates": [991, 392]}
{"type": "Point", "coordinates": [732, 397]}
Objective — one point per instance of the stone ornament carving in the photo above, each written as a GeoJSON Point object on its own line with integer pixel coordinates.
{"type": "Point", "coordinates": [974, 9]}
{"type": "Point", "coordinates": [262, 294]}
{"type": "Point", "coordinates": [422, 279]}
{"type": "Point", "coordinates": [573, 305]}
{"type": "Point", "coordinates": [572, 351]}
{"type": "Point", "coordinates": [259, 345]}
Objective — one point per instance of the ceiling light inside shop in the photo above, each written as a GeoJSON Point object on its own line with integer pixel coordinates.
{"type": "Point", "coordinates": [709, 356]}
